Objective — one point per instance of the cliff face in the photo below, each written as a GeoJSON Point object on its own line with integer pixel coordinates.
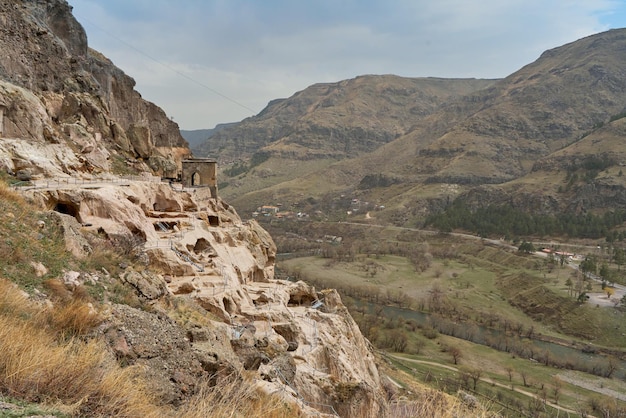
{"type": "Point", "coordinates": [69, 121]}
{"type": "Point", "coordinates": [57, 94]}
{"type": "Point", "coordinates": [295, 340]}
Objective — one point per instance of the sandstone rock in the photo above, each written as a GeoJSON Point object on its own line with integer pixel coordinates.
{"type": "Point", "coordinates": [157, 343]}
{"type": "Point", "coordinates": [75, 241]}
{"type": "Point", "coordinates": [71, 278]}
{"type": "Point", "coordinates": [289, 331]}
{"type": "Point", "coordinates": [24, 175]}
{"type": "Point", "coordinates": [54, 89]}
{"type": "Point", "coordinates": [141, 140]}
{"type": "Point", "coordinates": [147, 284]}
{"type": "Point", "coordinates": [227, 269]}
{"type": "Point", "coordinates": [40, 269]}
{"type": "Point", "coordinates": [251, 356]}
{"type": "Point", "coordinates": [282, 368]}
{"type": "Point", "coordinates": [272, 345]}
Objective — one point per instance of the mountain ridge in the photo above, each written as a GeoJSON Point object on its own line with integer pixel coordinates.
{"type": "Point", "coordinates": [493, 138]}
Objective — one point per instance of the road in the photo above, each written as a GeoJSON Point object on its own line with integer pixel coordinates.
{"type": "Point", "coordinates": [490, 382]}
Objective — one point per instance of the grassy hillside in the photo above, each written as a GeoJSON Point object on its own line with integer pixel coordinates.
{"type": "Point", "coordinates": [546, 139]}
{"type": "Point", "coordinates": [493, 306]}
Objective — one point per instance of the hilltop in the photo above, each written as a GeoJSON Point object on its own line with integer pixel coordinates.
{"type": "Point", "coordinates": [415, 145]}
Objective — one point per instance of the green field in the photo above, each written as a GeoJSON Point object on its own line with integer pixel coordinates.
{"type": "Point", "coordinates": [471, 283]}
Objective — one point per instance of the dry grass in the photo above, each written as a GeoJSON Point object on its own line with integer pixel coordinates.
{"type": "Point", "coordinates": [47, 358]}
{"type": "Point", "coordinates": [436, 404]}
{"type": "Point", "coordinates": [78, 377]}
{"type": "Point", "coordinates": [6, 193]}
{"type": "Point", "coordinates": [236, 396]}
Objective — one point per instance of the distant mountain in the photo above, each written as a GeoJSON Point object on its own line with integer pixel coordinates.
{"type": "Point", "coordinates": [197, 137]}
{"type": "Point", "coordinates": [338, 120]}
{"type": "Point", "coordinates": [415, 145]}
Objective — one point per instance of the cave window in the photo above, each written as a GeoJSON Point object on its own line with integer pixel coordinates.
{"type": "Point", "coordinates": [66, 209]}
{"type": "Point", "coordinates": [195, 179]}
{"type": "Point", "coordinates": [227, 305]}
{"type": "Point", "coordinates": [201, 246]}
{"type": "Point", "coordinates": [214, 220]}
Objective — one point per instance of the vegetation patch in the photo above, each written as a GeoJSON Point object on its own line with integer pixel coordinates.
{"type": "Point", "coordinates": [505, 220]}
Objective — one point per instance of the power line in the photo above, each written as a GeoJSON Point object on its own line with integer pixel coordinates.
{"type": "Point", "coordinates": [167, 66]}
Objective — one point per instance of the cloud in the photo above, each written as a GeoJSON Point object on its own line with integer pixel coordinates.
{"type": "Point", "coordinates": [253, 52]}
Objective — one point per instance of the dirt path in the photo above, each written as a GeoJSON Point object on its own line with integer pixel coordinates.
{"type": "Point", "coordinates": [489, 381]}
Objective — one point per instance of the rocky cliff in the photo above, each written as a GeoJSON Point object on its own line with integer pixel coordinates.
{"type": "Point", "coordinates": [71, 124]}
{"type": "Point", "coordinates": [66, 109]}
{"type": "Point", "coordinates": [337, 120]}
{"type": "Point", "coordinates": [296, 341]}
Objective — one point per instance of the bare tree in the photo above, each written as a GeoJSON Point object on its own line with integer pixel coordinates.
{"type": "Point", "coordinates": [509, 372]}
{"type": "Point", "coordinates": [556, 389]}
{"type": "Point", "coordinates": [611, 366]}
{"type": "Point", "coordinates": [475, 375]}
{"type": "Point", "coordinates": [455, 352]}
{"type": "Point", "coordinates": [436, 295]}
{"type": "Point", "coordinates": [524, 375]}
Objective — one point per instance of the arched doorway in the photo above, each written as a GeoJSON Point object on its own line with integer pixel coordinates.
{"type": "Point", "coordinates": [195, 179]}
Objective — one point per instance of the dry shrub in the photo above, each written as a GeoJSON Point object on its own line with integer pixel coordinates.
{"type": "Point", "coordinates": [76, 376]}
{"type": "Point", "coordinates": [13, 301]}
{"type": "Point", "coordinates": [57, 289]}
{"type": "Point", "coordinates": [72, 315]}
{"type": "Point", "coordinates": [7, 194]}
{"type": "Point", "coordinates": [37, 368]}
{"type": "Point", "coordinates": [104, 256]}
{"type": "Point", "coordinates": [237, 397]}
{"type": "Point", "coordinates": [436, 404]}
{"type": "Point", "coordinates": [74, 318]}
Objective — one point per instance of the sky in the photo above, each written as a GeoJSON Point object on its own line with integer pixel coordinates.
{"type": "Point", "coordinates": [206, 62]}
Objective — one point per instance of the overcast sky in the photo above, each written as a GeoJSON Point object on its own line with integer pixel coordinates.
{"type": "Point", "coordinates": [213, 61]}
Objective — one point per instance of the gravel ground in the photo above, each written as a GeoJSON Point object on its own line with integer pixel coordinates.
{"type": "Point", "coordinates": [601, 299]}
{"type": "Point", "coordinates": [596, 384]}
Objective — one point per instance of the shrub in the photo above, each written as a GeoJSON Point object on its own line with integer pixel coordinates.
{"type": "Point", "coordinates": [237, 396]}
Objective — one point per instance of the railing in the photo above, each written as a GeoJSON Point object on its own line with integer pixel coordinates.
{"type": "Point", "coordinates": [67, 181]}
{"type": "Point", "coordinates": [187, 258]}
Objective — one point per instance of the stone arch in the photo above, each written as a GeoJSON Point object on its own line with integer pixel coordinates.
{"type": "Point", "coordinates": [200, 172]}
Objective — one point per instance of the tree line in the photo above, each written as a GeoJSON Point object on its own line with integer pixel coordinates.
{"type": "Point", "coordinates": [498, 220]}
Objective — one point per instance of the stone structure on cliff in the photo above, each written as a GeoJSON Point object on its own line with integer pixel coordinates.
{"type": "Point", "coordinates": [200, 172]}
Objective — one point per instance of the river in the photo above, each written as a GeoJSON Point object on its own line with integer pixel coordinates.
{"type": "Point", "coordinates": [533, 348]}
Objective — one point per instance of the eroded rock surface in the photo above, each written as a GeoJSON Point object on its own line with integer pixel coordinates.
{"type": "Point", "coordinates": [298, 341]}
{"type": "Point", "coordinates": [65, 109]}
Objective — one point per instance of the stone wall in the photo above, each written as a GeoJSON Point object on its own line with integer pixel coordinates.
{"type": "Point", "coordinates": [199, 172]}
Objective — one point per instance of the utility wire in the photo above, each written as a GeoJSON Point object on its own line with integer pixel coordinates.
{"type": "Point", "coordinates": [169, 67]}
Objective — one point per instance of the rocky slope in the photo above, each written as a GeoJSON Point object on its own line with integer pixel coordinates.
{"type": "Point", "coordinates": [337, 120]}
{"type": "Point", "coordinates": [67, 109]}
{"type": "Point", "coordinates": [297, 341]}
{"type": "Point", "coordinates": [71, 121]}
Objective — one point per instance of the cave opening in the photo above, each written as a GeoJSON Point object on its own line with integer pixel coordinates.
{"type": "Point", "coordinates": [67, 209]}
{"type": "Point", "coordinates": [228, 306]}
